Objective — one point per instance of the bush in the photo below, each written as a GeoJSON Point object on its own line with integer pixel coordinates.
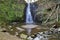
{"type": "Point", "coordinates": [10, 10]}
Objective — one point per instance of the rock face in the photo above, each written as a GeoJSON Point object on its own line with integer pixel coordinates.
{"type": "Point", "coordinates": [34, 7]}
{"type": "Point", "coordinates": [44, 9]}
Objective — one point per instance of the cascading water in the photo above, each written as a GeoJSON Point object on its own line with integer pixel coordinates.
{"type": "Point", "coordinates": [29, 18]}
{"type": "Point", "coordinates": [30, 1]}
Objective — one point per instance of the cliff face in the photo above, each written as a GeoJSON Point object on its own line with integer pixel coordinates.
{"type": "Point", "coordinates": [45, 8]}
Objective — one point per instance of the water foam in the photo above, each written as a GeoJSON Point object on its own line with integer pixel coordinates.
{"type": "Point", "coordinates": [30, 1]}
{"type": "Point", "coordinates": [29, 18]}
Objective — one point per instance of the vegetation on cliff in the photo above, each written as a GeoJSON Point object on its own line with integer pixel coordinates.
{"type": "Point", "coordinates": [11, 10]}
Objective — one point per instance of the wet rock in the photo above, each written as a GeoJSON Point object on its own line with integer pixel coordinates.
{"type": "Point", "coordinates": [51, 29]}
{"type": "Point", "coordinates": [59, 29]}
{"type": "Point", "coordinates": [55, 31]}
{"type": "Point", "coordinates": [40, 33]}
{"type": "Point", "coordinates": [36, 38]}
{"type": "Point", "coordinates": [39, 18]}
{"type": "Point", "coordinates": [45, 39]}
{"type": "Point", "coordinates": [46, 32]}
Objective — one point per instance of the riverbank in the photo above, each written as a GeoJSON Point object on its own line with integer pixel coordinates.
{"type": "Point", "coordinates": [7, 36]}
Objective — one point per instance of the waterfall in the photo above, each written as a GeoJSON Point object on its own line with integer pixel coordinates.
{"type": "Point", "coordinates": [29, 18]}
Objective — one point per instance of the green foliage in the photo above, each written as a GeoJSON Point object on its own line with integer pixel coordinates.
{"type": "Point", "coordinates": [11, 9]}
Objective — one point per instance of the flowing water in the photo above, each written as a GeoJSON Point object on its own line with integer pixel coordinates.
{"type": "Point", "coordinates": [29, 19]}
{"type": "Point", "coordinates": [31, 1]}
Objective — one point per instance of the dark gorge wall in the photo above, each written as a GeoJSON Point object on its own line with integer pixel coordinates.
{"type": "Point", "coordinates": [34, 7]}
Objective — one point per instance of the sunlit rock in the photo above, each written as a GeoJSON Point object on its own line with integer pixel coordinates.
{"type": "Point", "coordinates": [20, 29]}
{"type": "Point", "coordinates": [16, 33]}
{"type": "Point", "coordinates": [40, 33]}
{"type": "Point", "coordinates": [45, 38]}
{"type": "Point", "coordinates": [11, 29]}
{"type": "Point", "coordinates": [10, 26]}
{"type": "Point", "coordinates": [23, 36]}
{"type": "Point", "coordinates": [3, 29]}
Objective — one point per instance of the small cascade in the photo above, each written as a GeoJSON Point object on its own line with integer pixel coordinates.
{"type": "Point", "coordinates": [29, 19]}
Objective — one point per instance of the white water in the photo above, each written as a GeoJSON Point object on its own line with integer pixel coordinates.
{"type": "Point", "coordinates": [36, 38]}
{"type": "Point", "coordinates": [30, 1]}
{"type": "Point", "coordinates": [29, 18]}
